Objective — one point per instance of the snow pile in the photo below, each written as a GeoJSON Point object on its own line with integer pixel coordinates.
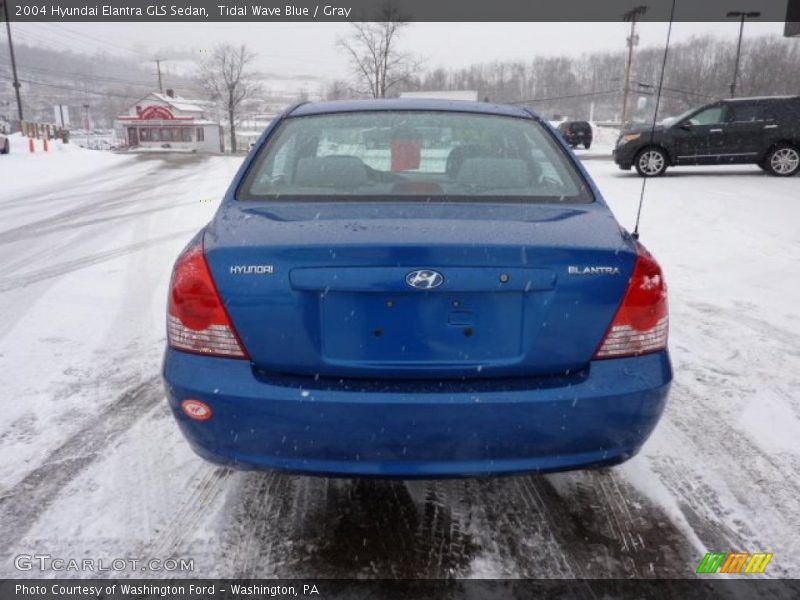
{"type": "Point", "coordinates": [21, 171]}
{"type": "Point", "coordinates": [604, 136]}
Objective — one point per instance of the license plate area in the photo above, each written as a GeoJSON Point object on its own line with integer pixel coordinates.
{"type": "Point", "coordinates": [422, 327]}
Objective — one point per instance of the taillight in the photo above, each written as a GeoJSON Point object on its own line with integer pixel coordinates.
{"type": "Point", "coordinates": [642, 321]}
{"type": "Point", "coordinates": [196, 320]}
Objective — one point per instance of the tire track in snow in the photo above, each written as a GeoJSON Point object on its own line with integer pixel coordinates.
{"type": "Point", "coordinates": [584, 524]}
{"type": "Point", "coordinates": [293, 526]}
{"type": "Point", "coordinates": [17, 281]}
{"type": "Point", "coordinates": [205, 488]}
{"type": "Point", "coordinates": [111, 201]}
{"type": "Point", "coordinates": [733, 491]}
{"type": "Point", "coordinates": [20, 507]}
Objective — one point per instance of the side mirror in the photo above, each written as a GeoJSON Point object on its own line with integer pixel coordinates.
{"type": "Point", "coordinates": [686, 125]}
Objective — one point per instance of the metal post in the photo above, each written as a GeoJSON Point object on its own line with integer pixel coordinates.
{"type": "Point", "coordinates": [741, 16]}
{"type": "Point", "coordinates": [15, 83]}
{"type": "Point", "coordinates": [738, 54]}
{"type": "Point", "coordinates": [631, 16]}
{"type": "Point", "coordinates": [160, 85]}
{"type": "Point", "coordinates": [88, 125]}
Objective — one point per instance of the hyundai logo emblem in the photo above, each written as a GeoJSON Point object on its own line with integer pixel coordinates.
{"type": "Point", "coordinates": [424, 279]}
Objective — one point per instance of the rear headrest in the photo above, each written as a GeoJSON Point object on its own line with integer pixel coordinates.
{"type": "Point", "coordinates": [331, 171]}
{"type": "Point", "coordinates": [494, 173]}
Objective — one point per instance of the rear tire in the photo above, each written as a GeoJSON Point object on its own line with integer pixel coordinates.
{"type": "Point", "coordinates": [783, 161]}
{"type": "Point", "coordinates": [651, 162]}
{"type": "Point", "coordinates": [6, 148]}
{"type": "Point", "coordinates": [587, 145]}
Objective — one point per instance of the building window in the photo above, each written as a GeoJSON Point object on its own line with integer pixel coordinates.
{"type": "Point", "coordinates": [186, 134]}
{"type": "Point", "coordinates": [201, 134]}
{"type": "Point", "coordinates": [149, 134]}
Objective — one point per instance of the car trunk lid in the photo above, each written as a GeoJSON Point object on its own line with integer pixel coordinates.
{"type": "Point", "coordinates": [327, 288]}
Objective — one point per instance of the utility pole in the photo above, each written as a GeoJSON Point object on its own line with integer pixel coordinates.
{"type": "Point", "coordinates": [158, 68]}
{"type": "Point", "coordinates": [741, 16]}
{"type": "Point", "coordinates": [632, 15]}
{"type": "Point", "coordinates": [15, 83]}
{"type": "Point", "coordinates": [88, 126]}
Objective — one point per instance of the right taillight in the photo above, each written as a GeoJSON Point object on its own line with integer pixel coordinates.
{"type": "Point", "coordinates": [196, 318]}
{"type": "Point", "coordinates": [642, 321]}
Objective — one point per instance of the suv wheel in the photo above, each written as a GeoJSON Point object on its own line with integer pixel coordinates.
{"type": "Point", "coordinates": [783, 160]}
{"type": "Point", "coordinates": [651, 162]}
{"type": "Point", "coordinates": [587, 145]}
{"type": "Point", "coordinates": [6, 148]}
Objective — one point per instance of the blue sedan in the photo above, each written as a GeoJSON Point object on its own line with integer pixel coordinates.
{"type": "Point", "coordinates": [415, 288]}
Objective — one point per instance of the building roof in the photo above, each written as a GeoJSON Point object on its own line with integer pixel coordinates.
{"type": "Point", "coordinates": [319, 108]}
{"type": "Point", "coordinates": [184, 104]}
{"type": "Point", "coordinates": [178, 102]}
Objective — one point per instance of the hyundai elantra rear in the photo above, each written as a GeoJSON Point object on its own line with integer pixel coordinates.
{"type": "Point", "coordinates": [415, 289]}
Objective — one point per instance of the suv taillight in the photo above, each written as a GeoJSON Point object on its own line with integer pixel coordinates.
{"type": "Point", "coordinates": [196, 318]}
{"type": "Point", "coordinates": [642, 320]}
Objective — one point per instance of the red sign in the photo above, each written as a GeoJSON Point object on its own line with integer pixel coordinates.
{"type": "Point", "coordinates": [156, 112]}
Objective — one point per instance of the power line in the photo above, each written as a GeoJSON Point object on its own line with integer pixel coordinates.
{"type": "Point", "coordinates": [566, 97]}
{"type": "Point", "coordinates": [73, 89]}
{"type": "Point", "coordinates": [83, 38]}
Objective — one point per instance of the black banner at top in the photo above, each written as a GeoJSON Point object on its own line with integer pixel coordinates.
{"type": "Point", "coordinates": [376, 10]}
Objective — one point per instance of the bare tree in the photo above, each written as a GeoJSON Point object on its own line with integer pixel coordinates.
{"type": "Point", "coordinates": [338, 90]}
{"type": "Point", "coordinates": [227, 78]}
{"type": "Point", "coordinates": [372, 48]}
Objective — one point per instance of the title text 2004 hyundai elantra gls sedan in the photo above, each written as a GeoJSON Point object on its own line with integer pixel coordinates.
{"type": "Point", "coordinates": [415, 289]}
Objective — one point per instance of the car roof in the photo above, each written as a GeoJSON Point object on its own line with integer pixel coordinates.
{"type": "Point", "coordinates": [761, 98]}
{"type": "Point", "coordinates": [426, 104]}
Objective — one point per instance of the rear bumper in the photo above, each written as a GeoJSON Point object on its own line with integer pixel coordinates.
{"type": "Point", "coordinates": [601, 416]}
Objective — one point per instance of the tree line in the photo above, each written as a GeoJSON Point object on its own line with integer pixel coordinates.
{"type": "Point", "coordinates": [698, 70]}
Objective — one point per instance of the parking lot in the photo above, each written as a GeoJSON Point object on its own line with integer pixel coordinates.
{"type": "Point", "coordinates": [94, 465]}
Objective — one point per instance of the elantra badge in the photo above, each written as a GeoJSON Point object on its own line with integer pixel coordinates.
{"type": "Point", "coordinates": [424, 279]}
{"type": "Point", "coordinates": [573, 270]}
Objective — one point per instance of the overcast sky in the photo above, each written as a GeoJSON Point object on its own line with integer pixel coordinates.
{"type": "Point", "coordinates": [289, 49]}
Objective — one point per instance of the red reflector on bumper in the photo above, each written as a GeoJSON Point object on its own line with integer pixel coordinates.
{"type": "Point", "coordinates": [194, 409]}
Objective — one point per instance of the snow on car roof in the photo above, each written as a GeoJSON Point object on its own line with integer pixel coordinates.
{"type": "Point", "coordinates": [319, 108]}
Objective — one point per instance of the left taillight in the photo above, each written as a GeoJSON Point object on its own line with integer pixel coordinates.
{"type": "Point", "coordinates": [196, 318]}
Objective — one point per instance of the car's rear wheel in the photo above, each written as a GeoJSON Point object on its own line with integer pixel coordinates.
{"type": "Point", "coordinates": [783, 160]}
{"type": "Point", "coordinates": [651, 162]}
{"type": "Point", "coordinates": [6, 148]}
{"type": "Point", "coordinates": [587, 145]}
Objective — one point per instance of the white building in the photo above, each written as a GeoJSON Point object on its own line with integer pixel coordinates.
{"type": "Point", "coordinates": [470, 95]}
{"type": "Point", "coordinates": [169, 122]}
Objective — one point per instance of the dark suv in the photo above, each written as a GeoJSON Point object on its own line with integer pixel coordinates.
{"type": "Point", "coordinates": [763, 131]}
{"type": "Point", "coordinates": [576, 132]}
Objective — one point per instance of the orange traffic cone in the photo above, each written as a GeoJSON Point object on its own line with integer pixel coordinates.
{"type": "Point", "coordinates": [31, 145]}
{"type": "Point", "coordinates": [46, 149]}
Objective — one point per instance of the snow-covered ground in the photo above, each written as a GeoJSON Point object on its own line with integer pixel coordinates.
{"type": "Point", "coordinates": [93, 465]}
{"type": "Point", "coordinates": [23, 171]}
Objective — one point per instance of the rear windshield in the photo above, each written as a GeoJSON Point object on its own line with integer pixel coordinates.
{"type": "Point", "coordinates": [413, 155]}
